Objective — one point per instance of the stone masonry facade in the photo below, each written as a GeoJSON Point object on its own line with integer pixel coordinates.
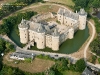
{"type": "Point", "coordinates": [51, 34]}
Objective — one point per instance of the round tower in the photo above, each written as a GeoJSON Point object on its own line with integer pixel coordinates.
{"type": "Point", "coordinates": [40, 37]}
{"type": "Point", "coordinates": [55, 41]}
{"type": "Point", "coordinates": [23, 32]}
{"type": "Point", "coordinates": [71, 33]}
{"type": "Point", "coordinates": [82, 19]}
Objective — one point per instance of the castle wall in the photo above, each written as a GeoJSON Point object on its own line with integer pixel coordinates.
{"type": "Point", "coordinates": [76, 27]}
{"type": "Point", "coordinates": [40, 17]}
{"type": "Point", "coordinates": [71, 33]}
{"type": "Point", "coordinates": [23, 35]}
{"type": "Point", "coordinates": [60, 18]}
{"type": "Point", "coordinates": [49, 41]}
{"type": "Point", "coordinates": [55, 43]}
{"type": "Point", "coordinates": [40, 40]}
{"type": "Point", "coordinates": [82, 21]}
{"type": "Point", "coordinates": [69, 22]}
{"type": "Point", "coordinates": [63, 37]}
{"type": "Point", "coordinates": [31, 35]}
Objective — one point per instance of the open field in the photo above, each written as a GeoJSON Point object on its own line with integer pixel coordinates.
{"type": "Point", "coordinates": [46, 8]}
{"type": "Point", "coordinates": [37, 65]}
{"type": "Point", "coordinates": [66, 2]}
{"type": "Point", "coordinates": [43, 9]}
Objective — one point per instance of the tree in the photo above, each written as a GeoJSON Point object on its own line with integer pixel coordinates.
{"type": "Point", "coordinates": [49, 72]}
{"type": "Point", "coordinates": [96, 3]}
{"type": "Point", "coordinates": [82, 3]}
{"type": "Point", "coordinates": [61, 64]}
{"type": "Point", "coordinates": [80, 65]}
{"type": "Point", "coordinates": [2, 45]}
{"type": "Point", "coordinates": [9, 46]}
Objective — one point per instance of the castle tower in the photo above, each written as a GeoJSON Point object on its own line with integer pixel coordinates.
{"type": "Point", "coordinates": [71, 33]}
{"type": "Point", "coordinates": [23, 31]}
{"type": "Point", "coordinates": [55, 40]}
{"type": "Point", "coordinates": [40, 37]}
{"type": "Point", "coordinates": [82, 19]}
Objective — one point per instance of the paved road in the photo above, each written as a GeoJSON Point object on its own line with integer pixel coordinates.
{"type": "Point", "coordinates": [53, 55]}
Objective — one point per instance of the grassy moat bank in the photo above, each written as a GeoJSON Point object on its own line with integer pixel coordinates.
{"type": "Point", "coordinates": [69, 46]}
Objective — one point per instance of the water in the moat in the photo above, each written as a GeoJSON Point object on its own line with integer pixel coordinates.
{"type": "Point", "coordinates": [69, 46]}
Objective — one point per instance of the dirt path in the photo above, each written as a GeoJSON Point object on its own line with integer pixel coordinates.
{"type": "Point", "coordinates": [80, 52]}
{"type": "Point", "coordinates": [90, 40]}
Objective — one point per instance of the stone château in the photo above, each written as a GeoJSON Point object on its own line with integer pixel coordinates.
{"type": "Point", "coordinates": [52, 34]}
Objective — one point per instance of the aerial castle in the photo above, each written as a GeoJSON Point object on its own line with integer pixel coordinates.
{"type": "Point", "coordinates": [51, 34]}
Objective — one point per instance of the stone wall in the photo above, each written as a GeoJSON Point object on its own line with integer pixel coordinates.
{"type": "Point", "coordinates": [41, 17]}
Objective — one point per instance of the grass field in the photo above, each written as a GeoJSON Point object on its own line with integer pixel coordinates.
{"type": "Point", "coordinates": [66, 2]}
{"type": "Point", "coordinates": [43, 9]}
{"type": "Point", "coordinates": [37, 65]}
{"type": "Point", "coordinates": [46, 8]}
{"type": "Point", "coordinates": [70, 73]}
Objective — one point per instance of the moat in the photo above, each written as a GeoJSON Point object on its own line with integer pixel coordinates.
{"type": "Point", "coordinates": [69, 46]}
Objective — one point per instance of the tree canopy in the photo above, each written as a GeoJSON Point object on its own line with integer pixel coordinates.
{"type": "Point", "coordinates": [87, 3]}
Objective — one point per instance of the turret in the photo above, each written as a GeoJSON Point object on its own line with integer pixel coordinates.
{"type": "Point", "coordinates": [55, 40]}
{"type": "Point", "coordinates": [40, 37]}
{"type": "Point", "coordinates": [23, 31]}
{"type": "Point", "coordinates": [71, 33]}
{"type": "Point", "coordinates": [82, 19]}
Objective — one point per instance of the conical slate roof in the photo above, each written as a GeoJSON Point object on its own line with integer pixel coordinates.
{"type": "Point", "coordinates": [55, 32]}
{"type": "Point", "coordinates": [82, 12]}
{"type": "Point", "coordinates": [23, 24]}
{"type": "Point", "coordinates": [40, 29]}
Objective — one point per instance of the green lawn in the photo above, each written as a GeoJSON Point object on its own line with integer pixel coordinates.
{"type": "Point", "coordinates": [67, 2]}
{"type": "Point", "coordinates": [70, 73]}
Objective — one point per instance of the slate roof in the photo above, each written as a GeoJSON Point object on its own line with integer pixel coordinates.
{"type": "Point", "coordinates": [68, 13]}
{"type": "Point", "coordinates": [55, 32]}
{"type": "Point", "coordinates": [22, 55]}
{"type": "Point", "coordinates": [23, 24]}
{"type": "Point", "coordinates": [87, 72]}
{"type": "Point", "coordinates": [82, 12]}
